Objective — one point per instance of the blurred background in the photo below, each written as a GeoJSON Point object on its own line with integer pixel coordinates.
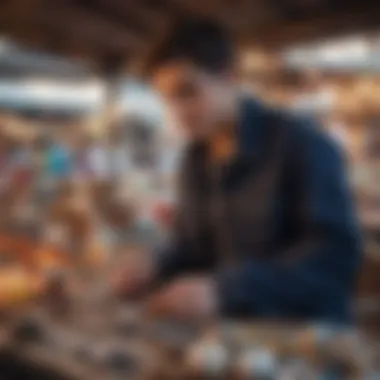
{"type": "Point", "coordinates": [88, 152]}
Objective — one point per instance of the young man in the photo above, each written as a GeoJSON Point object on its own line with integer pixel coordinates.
{"type": "Point", "coordinates": [266, 226]}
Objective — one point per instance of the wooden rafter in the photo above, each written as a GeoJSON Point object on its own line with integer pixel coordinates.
{"type": "Point", "coordinates": [98, 29]}
{"type": "Point", "coordinates": [127, 15]}
{"type": "Point", "coordinates": [287, 33]}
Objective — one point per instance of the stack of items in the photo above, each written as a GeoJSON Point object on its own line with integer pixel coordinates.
{"type": "Point", "coordinates": [108, 340]}
{"type": "Point", "coordinates": [274, 352]}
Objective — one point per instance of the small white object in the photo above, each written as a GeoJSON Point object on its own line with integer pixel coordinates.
{"type": "Point", "coordinates": [210, 359]}
{"type": "Point", "coordinates": [56, 234]}
{"type": "Point", "coordinates": [258, 363]}
{"type": "Point", "coordinates": [296, 370]}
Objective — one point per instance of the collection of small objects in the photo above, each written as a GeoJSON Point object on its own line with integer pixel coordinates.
{"type": "Point", "coordinates": [88, 333]}
{"type": "Point", "coordinates": [117, 341]}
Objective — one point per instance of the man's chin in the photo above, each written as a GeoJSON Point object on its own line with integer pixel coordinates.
{"type": "Point", "coordinates": [198, 136]}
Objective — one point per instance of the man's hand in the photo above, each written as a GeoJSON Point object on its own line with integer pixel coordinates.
{"type": "Point", "coordinates": [190, 297]}
{"type": "Point", "coordinates": [133, 274]}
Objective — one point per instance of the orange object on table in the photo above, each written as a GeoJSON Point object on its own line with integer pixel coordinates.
{"type": "Point", "coordinates": [21, 247]}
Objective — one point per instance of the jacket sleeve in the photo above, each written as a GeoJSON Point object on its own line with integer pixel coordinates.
{"type": "Point", "coordinates": [173, 258]}
{"type": "Point", "coordinates": [177, 256]}
{"type": "Point", "coordinates": [317, 272]}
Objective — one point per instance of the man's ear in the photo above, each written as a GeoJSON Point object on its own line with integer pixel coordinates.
{"type": "Point", "coordinates": [234, 72]}
{"type": "Point", "coordinates": [230, 75]}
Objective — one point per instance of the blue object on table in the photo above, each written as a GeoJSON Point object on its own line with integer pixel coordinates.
{"type": "Point", "coordinates": [59, 161]}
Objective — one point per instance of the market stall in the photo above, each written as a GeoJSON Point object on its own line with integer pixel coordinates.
{"type": "Point", "coordinates": [88, 228]}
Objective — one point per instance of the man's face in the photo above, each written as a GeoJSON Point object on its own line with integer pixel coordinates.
{"type": "Point", "coordinates": [197, 99]}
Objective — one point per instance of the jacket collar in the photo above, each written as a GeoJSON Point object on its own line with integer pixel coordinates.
{"type": "Point", "coordinates": [250, 130]}
{"type": "Point", "coordinates": [251, 127]}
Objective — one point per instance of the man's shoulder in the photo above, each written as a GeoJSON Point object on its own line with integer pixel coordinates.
{"type": "Point", "coordinates": [298, 124]}
{"type": "Point", "coordinates": [279, 119]}
{"type": "Point", "coordinates": [304, 133]}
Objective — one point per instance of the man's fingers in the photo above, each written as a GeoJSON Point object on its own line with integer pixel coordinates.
{"type": "Point", "coordinates": [176, 301]}
{"type": "Point", "coordinates": [167, 302]}
{"type": "Point", "coordinates": [158, 305]}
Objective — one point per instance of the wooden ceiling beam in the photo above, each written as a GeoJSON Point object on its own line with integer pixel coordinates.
{"type": "Point", "coordinates": [291, 33]}
{"type": "Point", "coordinates": [235, 15]}
{"type": "Point", "coordinates": [107, 28]}
{"type": "Point", "coordinates": [126, 16]}
{"type": "Point", "coordinates": [87, 26]}
{"type": "Point", "coordinates": [73, 48]}
{"type": "Point", "coordinates": [145, 15]}
{"type": "Point", "coordinates": [210, 8]}
{"type": "Point", "coordinates": [251, 13]}
{"type": "Point", "coordinates": [17, 13]}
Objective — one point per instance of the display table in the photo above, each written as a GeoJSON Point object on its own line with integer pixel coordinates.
{"type": "Point", "coordinates": [121, 345]}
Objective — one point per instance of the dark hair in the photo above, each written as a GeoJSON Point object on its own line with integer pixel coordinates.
{"type": "Point", "coordinates": [204, 43]}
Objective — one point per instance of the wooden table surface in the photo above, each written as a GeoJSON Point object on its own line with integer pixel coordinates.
{"type": "Point", "coordinates": [58, 350]}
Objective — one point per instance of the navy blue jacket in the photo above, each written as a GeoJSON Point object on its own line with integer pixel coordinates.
{"type": "Point", "coordinates": [288, 242]}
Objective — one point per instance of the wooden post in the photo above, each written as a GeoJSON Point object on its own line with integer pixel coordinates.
{"type": "Point", "coordinates": [111, 71]}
